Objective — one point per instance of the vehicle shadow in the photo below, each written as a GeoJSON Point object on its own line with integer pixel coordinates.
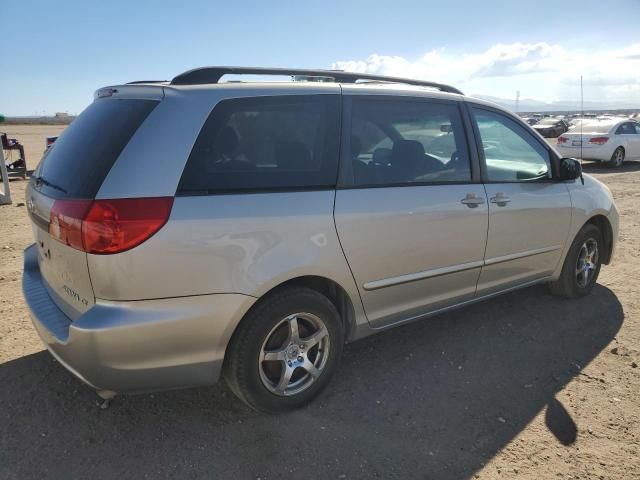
{"type": "Point", "coordinates": [603, 168]}
{"type": "Point", "coordinates": [434, 399]}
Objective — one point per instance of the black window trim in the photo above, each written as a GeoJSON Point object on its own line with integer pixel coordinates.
{"type": "Point", "coordinates": [263, 190]}
{"type": "Point", "coordinates": [345, 176]}
{"type": "Point", "coordinates": [477, 141]}
{"type": "Point", "coordinates": [251, 191]}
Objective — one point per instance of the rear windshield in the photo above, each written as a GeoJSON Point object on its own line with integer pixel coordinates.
{"type": "Point", "coordinates": [77, 163]}
{"type": "Point", "coordinates": [266, 143]}
{"type": "Point", "coordinates": [595, 127]}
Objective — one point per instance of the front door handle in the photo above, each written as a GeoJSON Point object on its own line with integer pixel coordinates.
{"type": "Point", "coordinates": [500, 199]}
{"type": "Point", "coordinates": [472, 200]}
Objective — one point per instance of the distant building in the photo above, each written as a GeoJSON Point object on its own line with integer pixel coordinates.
{"type": "Point", "coordinates": [61, 115]}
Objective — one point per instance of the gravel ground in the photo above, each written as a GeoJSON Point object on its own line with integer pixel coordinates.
{"type": "Point", "coordinates": [522, 386]}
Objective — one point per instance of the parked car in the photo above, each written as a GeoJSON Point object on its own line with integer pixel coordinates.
{"type": "Point", "coordinates": [551, 127]}
{"type": "Point", "coordinates": [610, 141]}
{"type": "Point", "coordinates": [50, 141]}
{"type": "Point", "coordinates": [530, 120]}
{"type": "Point", "coordinates": [276, 221]}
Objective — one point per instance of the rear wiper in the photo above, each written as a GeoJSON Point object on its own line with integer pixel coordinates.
{"type": "Point", "coordinates": [42, 181]}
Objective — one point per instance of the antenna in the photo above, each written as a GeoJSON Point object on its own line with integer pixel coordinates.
{"type": "Point", "coordinates": [582, 115]}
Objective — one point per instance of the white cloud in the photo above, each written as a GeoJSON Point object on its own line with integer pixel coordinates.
{"type": "Point", "coordinates": [538, 70]}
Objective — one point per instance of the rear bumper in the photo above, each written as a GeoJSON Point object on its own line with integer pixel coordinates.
{"type": "Point", "coordinates": [602, 153]}
{"type": "Point", "coordinates": [137, 346]}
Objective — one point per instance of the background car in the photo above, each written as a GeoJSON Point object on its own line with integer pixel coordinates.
{"type": "Point", "coordinates": [610, 141]}
{"type": "Point", "coordinates": [551, 127]}
{"type": "Point", "coordinates": [50, 141]}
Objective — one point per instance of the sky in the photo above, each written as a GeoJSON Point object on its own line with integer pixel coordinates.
{"type": "Point", "coordinates": [57, 53]}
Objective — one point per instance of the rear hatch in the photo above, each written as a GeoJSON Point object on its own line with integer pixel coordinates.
{"type": "Point", "coordinates": [587, 135]}
{"type": "Point", "coordinates": [64, 185]}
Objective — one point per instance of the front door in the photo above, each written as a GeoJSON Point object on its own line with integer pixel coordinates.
{"type": "Point", "coordinates": [529, 211]}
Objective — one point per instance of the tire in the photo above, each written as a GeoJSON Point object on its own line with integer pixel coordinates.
{"type": "Point", "coordinates": [576, 281]}
{"type": "Point", "coordinates": [617, 158]}
{"type": "Point", "coordinates": [265, 347]}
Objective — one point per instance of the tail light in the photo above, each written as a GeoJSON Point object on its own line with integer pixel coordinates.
{"type": "Point", "coordinates": [562, 140]}
{"type": "Point", "coordinates": [599, 140]}
{"type": "Point", "coordinates": [65, 221]}
{"type": "Point", "coordinates": [108, 226]}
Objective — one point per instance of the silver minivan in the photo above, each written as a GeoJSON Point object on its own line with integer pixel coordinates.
{"type": "Point", "coordinates": [194, 228]}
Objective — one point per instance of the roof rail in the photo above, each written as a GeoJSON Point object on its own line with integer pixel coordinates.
{"type": "Point", "coordinates": [146, 81]}
{"type": "Point", "coordinates": [206, 75]}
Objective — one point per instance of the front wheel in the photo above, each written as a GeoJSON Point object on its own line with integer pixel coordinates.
{"type": "Point", "coordinates": [285, 350]}
{"type": "Point", "coordinates": [617, 158]}
{"type": "Point", "coordinates": [581, 266]}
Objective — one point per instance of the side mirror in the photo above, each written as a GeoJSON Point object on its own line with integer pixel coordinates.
{"type": "Point", "coordinates": [570, 169]}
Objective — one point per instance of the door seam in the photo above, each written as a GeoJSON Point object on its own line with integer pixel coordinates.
{"type": "Point", "coordinates": [486, 239]}
{"type": "Point", "coordinates": [355, 282]}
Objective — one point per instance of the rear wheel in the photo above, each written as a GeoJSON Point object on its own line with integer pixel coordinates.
{"type": "Point", "coordinates": [617, 158]}
{"type": "Point", "coordinates": [581, 266]}
{"type": "Point", "coordinates": [285, 351]}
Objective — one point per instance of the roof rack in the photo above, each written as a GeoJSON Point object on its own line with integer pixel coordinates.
{"type": "Point", "coordinates": [146, 81]}
{"type": "Point", "coordinates": [206, 75]}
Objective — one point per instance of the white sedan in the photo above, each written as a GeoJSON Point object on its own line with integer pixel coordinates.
{"type": "Point", "coordinates": [611, 140]}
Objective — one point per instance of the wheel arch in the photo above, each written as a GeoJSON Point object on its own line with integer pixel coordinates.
{"type": "Point", "coordinates": [603, 224]}
{"type": "Point", "coordinates": [336, 294]}
{"type": "Point", "coordinates": [330, 289]}
{"type": "Point", "coordinates": [623, 145]}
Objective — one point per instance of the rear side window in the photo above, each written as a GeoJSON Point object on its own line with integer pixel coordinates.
{"type": "Point", "coordinates": [77, 163]}
{"type": "Point", "coordinates": [266, 143]}
{"type": "Point", "coordinates": [406, 142]}
{"type": "Point", "coordinates": [626, 129]}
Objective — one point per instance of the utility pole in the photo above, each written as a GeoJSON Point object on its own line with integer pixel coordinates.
{"type": "Point", "coordinates": [517, 101]}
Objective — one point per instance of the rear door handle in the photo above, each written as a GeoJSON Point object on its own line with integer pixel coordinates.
{"type": "Point", "coordinates": [472, 200]}
{"type": "Point", "coordinates": [500, 199]}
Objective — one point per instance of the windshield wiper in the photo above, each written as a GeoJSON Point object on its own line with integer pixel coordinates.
{"type": "Point", "coordinates": [42, 181]}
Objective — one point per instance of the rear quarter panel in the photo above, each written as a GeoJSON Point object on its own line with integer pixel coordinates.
{"type": "Point", "coordinates": [240, 243]}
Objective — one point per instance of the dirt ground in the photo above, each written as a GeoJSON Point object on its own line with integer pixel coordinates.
{"type": "Point", "coordinates": [522, 386]}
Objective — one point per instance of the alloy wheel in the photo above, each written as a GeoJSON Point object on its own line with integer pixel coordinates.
{"type": "Point", "coordinates": [294, 354]}
{"type": "Point", "coordinates": [618, 157]}
{"type": "Point", "coordinates": [587, 263]}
